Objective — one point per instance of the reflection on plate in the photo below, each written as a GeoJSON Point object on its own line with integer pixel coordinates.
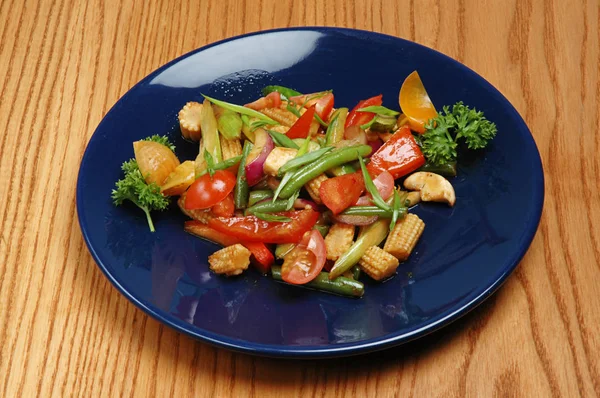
{"type": "Point", "coordinates": [465, 254]}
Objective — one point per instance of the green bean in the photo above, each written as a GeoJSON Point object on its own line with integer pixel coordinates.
{"type": "Point", "coordinates": [340, 285]}
{"type": "Point", "coordinates": [271, 217]}
{"type": "Point", "coordinates": [323, 229]}
{"type": "Point", "coordinates": [240, 193]}
{"type": "Point", "coordinates": [269, 207]}
{"type": "Point", "coordinates": [371, 235]}
{"type": "Point", "coordinates": [356, 271]}
{"type": "Point", "coordinates": [335, 131]}
{"type": "Point", "coordinates": [366, 211]}
{"type": "Point", "coordinates": [257, 196]}
{"type": "Point", "coordinates": [302, 160]}
{"type": "Point", "coordinates": [222, 165]}
{"type": "Point", "coordinates": [445, 169]}
{"type": "Point", "coordinates": [318, 167]}
{"type": "Point", "coordinates": [369, 211]}
{"type": "Point", "coordinates": [282, 140]}
{"type": "Point", "coordinates": [341, 170]}
{"type": "Point", "coordinates": [287, 92]}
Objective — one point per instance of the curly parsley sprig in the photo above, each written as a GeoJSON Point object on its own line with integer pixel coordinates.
{"type": "Point", "coordinates": [444, 132]}
{"type": "Point", "coordinates": [134, 188]}
{"type": "Point", "coordinates": [161, 139]}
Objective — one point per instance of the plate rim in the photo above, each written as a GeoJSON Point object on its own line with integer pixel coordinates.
{"type": "Point", "coordinates": [344, 349]}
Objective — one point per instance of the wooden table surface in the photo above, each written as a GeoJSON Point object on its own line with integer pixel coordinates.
{"type": "Point", "coordinates": [65, 330]}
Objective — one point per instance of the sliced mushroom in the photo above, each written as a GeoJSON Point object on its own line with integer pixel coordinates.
{"type": "Point", "coordinates": [433, 187]}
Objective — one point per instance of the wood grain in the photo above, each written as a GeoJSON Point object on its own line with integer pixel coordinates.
{"type": "Point", "coordinates": [65, 331]}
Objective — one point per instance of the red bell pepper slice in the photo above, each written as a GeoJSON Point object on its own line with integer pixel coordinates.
{"type": "Point", "coordinates": [253, 229]}
{"type": "Point", "coordinates": [341, 192]}
{"type": "Point", "coordinates": [204, 231]}
{"type": "Point", "coordinates": [359, 118]}
{"type": "Point", "coordinates": [400, 155]}
{"type": "Point", "coordinates": [262, 258]}
{"type": "Point", "coordinates": [301, 128]}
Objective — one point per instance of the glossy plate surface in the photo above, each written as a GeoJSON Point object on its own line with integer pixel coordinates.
{"type": "Point", "coordinates": [465, 254]}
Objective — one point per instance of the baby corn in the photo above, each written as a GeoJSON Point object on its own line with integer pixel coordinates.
{"type": "Point", "coordinates": [199, 215]}
{"type": "Point", "coordinates": [282, 116]}
{"type": "Point", "coordinates": [189, 120]}
{"type": "Point", "coordinates": [313, 187]}
{"type": "Point", "coordinates": [338, 240]}
{"type": "Point", "coordinates": [230, 148]}
{"type": "Point", "coordinates": [232, 260]}
{"type": "Point", "coordinates": [378, 263]}
{"type": "Point", "coordinates": [403, 238]}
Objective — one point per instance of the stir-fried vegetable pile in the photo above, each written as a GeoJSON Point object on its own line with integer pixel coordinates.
{"type": "Point", "coordinates": [305, 191]}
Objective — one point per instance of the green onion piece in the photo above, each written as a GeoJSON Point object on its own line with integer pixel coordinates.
{"type": "Point", "coordinates": [272, 217]}
{"type": "Point", "coordinates": [330, 128]}
{"type": "Point", "coordinates": [377, 199]}
{"type": "Point", "coordinates": [282, 140]}
{"type": "Point", "coordinates": [293, 109]}
{"type": "Point", "coordinates": [368, 124]}
{"type": "Point", "coordinates": [260, 123]}
{"type": "Point", "coordinates": [230, 124]}
{"type": "Point", "coordinates": [318, 95]}
{"type": "Point", "coordinates": [321, 121]}
{"type": "Point", "coordinates": [304, 147]}
{"type": "Point", "coordinates": [240, 109]}
{"type": "Point", "coordinates": [380, 110]}
{"type": "Point", "coordinates": [396, 209]}
{"type": "Point", "coordinates": [210, 132]}
{"type": "Point", "coordinates": [221, 165]}
{"type": "Point", "coordinates": [291, 200]}
{"type": "Point", "coordinates": [245, 120]}
{"type": "Point", "coordinates": [210, 163]}
{"type": "Point", "coordinates": [286, 178]}
{"type": "Point", "coordinates": [246, 129]}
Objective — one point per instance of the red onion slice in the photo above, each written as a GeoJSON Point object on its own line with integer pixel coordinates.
{"type": "Point", "coordinates": [263, 145]}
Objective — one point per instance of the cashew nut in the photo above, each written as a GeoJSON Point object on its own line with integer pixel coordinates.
{"type": "Point", "coordinates": [433, 187]}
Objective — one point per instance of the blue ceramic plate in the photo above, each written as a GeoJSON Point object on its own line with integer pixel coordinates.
{"type": "Point", "coordinates": [465, 254]}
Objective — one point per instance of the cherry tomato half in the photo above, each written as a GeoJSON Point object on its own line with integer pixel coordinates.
{"type": "Point", "coordinates": [323, 103]}
{"type": "Point", "coordinates": [207, 191]}
{"type": "Point", "coordinates": [273, 100]}
{"type": "Point", "coordinates": [306, 260]}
